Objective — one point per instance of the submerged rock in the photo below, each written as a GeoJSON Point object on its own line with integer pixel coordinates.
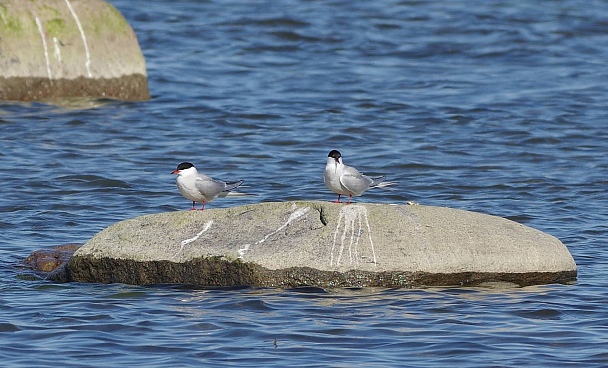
{"type": "Point", "coordinates": [57, 48]}
{"type": "Point", "coordinates": [45, 261]}
{"type": "Point", "coordinates": [321, 244]}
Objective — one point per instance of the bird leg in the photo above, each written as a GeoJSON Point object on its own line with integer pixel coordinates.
{"type": "Point", "coordinates": [203, 206]}
{"type": "Point", "coordinates": [192, 209]}
{"type": "Point", "coordinates": [338, 200]}
{"type": "Point", "coordinates": [349, 198]}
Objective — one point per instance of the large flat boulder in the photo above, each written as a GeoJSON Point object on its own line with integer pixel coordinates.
{"type": "Point", "coordinates": [323, 244]}
{"type": "Point", "coordinates": [68, 48]}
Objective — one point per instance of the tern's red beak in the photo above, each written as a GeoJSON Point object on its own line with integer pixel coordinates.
{"type": "Point", "coordinates": [175, 172]}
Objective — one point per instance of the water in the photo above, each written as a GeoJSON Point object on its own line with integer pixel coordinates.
{"type": "Point", "coordinates": [490, 106]}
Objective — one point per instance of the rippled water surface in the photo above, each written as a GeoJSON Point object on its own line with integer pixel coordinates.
{"type": "Point", "coordinates": [497, 107]}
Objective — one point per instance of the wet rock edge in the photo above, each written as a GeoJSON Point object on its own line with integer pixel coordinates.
{"type": "Point", "coordinates": [220, 272]}
{"type": "Point", "coordinates": [128, 88]}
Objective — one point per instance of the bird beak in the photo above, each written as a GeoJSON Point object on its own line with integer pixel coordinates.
{"type": "Point", "coordinates": [175, 172]}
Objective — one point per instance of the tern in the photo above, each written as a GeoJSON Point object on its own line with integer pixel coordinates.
{"type": "Point", "coordinates": [343, 179]}
{"type": "Point", "coordinates": [201, 188]}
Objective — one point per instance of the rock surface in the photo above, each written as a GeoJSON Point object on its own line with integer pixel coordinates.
{"type": "Point", "coordinates": [68, 48]}
{"type": "Point", "coordinates": [322, 244]}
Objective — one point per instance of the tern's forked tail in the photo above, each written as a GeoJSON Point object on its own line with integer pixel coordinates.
{"type": "Point", "coordinates": [385, 185]}
{"type": "Point", "coordinates": [239, 194]}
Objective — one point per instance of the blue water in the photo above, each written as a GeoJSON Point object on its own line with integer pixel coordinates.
{"type": "Point", "coordinates": [497, 107]}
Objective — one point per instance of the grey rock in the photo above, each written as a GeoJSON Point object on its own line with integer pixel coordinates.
{"type": "Point", "coordinates": [323, 244]}
{"type": "Point", "coordinates": [57, 48]}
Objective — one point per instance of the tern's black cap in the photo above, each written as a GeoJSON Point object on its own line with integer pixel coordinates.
{"type": "Point", "coordinates": [334, 154]}
{"type": "Point", "coordinates": [184, 166]}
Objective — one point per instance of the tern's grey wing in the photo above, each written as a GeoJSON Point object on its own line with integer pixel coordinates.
{"type": "Point", "coordinates": [376, 180]}
{"type": "Point", "coordinates": [229, 187]}
{"type": "Point", "coordinates": [232, 185]}
{"type": "Point", "coordinates": [209, 187]}
{"type": "Point", "coordinates": [349, 170]}
{"type": "Point", "coordinates": [354, 181]}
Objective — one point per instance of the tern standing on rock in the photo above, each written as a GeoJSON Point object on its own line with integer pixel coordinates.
{"type": "Point", "coordinates": [343, 179]}
{"type": "Point", "coordinates": [201, 188]}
